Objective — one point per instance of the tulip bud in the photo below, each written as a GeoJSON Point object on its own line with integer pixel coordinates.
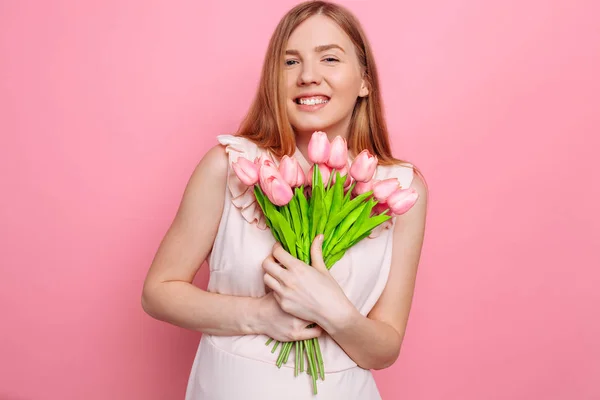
{"type": "Point", "coordinates": [264, 173]}
{"type": "Point", "coordinates": [319, 148]}
{"type": "Point", "coordinates": [402, 200]}
{"type": "Point", "coordinates": [278, 191]}
{"type": "Point", "coordinates": [289, 170]}
{"type": "Point", "coordinates": [338, 156]}
{"type": "Point", "coordinates": [363, 187]}
{"type": "Point", "coordinates": [364, 166]}
{"type": "Point", "coordinates": [382, 190]}
{"type": "Point", "coordinates": [264, 160]}
{"type": "Point", "coordinates": [246, 171]}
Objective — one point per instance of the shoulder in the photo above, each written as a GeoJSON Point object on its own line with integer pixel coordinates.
{"type": "Point", "coordinates": [210, 171]}
{"type": "Point", "coordinates": [217, 159]}
{"type": "Point", "coordinates": [214, 163]}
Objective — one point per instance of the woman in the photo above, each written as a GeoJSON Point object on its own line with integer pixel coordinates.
{"type": "Point", "coordinates": [319, 75]}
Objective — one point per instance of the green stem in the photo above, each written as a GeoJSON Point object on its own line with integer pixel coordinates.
{"type": "Point", "coordinates": [311, 360]}
{"type": "Point", "coordinates": [296, 361]}
{"type": "Point", "coordinates": [301, 345]}
{"type": "Point", "coordinates": [287, 352]}
{"type": "Point", "coordinates": [320, 359]}
{"type": "Point", "coordinates": [275, 347]}
{"type": "Point", "coordinates": [281, 355]}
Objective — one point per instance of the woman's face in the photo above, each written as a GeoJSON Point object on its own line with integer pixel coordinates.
{"type": "Point", "coordinates": [323, 78]}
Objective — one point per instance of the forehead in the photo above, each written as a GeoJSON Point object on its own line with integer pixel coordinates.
{"type": "Point", "coordinates": [318, 30]}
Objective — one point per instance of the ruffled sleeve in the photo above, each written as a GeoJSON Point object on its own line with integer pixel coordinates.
{"type": "Point", "coordinates": [242, 196]}
{"type": "Point", "coordinates": [404, 173]}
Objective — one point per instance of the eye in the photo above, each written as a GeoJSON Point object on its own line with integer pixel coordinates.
{"type": "Point", "coordinates": [332, 59]}
{"type": "Point", "coordinates": [289, 62]}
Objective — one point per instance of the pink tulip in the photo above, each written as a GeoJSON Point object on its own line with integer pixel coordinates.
{"type": "Point", "coordinates": [364, 166]}
{"type": "Point", "coordinates": [265, 172]}
{"type": "Point", "coordinates": [338, 156]}
{"type": "Point", "coordinates": [382, 190]}
{"type": "Point", "coordinates": [402, 200]}
{"type": "Point", "coordinates": [246, 171]}
{"type": "Point", "coordinates": [274, 186]}
{"type": "Point", "coordinates": [325, 174]}
{"type": "Point", "coordinates": [319, 148]}
{"type": "Point", "coordinates": [278, 191]}
{"type": "Point", "coordinates": [364, 187]}
{"type": "Point", "coordinates": [291, 171]}
{"type": "Point", "coordinates": [264, 160]}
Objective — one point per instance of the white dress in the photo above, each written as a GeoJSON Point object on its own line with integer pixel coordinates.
{"type": "Point", "coordinates": [242, 367]}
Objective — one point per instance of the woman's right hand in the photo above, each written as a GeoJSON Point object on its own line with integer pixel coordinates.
{"type": "Point", "coordinates": [281, 326]}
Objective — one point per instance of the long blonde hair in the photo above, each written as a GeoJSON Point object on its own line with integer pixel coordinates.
{"type": "Point", "coordinates": [267, 123]}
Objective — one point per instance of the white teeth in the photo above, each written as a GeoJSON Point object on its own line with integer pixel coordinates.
{"type": "Point", "coordinates": [312, 101]}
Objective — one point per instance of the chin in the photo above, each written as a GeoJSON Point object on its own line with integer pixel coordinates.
{"type": "Point", "coordinates": [311, 126]}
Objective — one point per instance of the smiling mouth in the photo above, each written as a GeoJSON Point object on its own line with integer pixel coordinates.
{"type": "Point", "coordinates": [312, 101]}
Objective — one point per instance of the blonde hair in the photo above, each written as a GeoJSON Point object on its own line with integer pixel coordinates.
{"type": "Point", "coordinates": [267, 123]}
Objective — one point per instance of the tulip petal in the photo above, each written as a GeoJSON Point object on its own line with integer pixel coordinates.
{"type": "Point", "coordinates": [319, 148]}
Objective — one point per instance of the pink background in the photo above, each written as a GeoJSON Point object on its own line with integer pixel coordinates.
{"type": "Point", "coordinates": [106, 107]}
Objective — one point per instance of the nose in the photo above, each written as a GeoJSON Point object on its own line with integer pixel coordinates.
{"type": "Point", "coordinates": [309, 74]}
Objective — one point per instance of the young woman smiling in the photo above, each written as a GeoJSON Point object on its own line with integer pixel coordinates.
{"type": "Point", "coordinates": [319, 74]}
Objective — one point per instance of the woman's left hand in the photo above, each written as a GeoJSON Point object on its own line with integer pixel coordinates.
{"type": "Point", "coordinates": [310, 293]}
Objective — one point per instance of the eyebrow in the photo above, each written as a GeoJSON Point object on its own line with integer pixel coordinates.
{"type": "Point", "coordinates": [318, 49]}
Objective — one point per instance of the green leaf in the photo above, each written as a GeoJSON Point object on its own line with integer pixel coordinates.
{"type": "Point", "coordinates": [326, 211]}
{"type": "Point", "coordinates": [304, 210]}
{"type": "Point", "coordinates": [368, 226]}
{"type": "Point", "coordinates": [294, 210]}
{"type": "Point", "coordinates": [317, 212]}
{"type": "Point", "coordinates": [342, 229]}
{"type": "Point", "coordinates": [348, 194]}
{"type": "Point", "coordinates": [338, 193]}
{"type": "Point", "coordinates": [289, 238]}
{"type": "Point", "coordinates": [317, 177]}
{"type": "Point", "coordinates": [332, 259]}
{"type": "Point", "coordinates": [355, 241]}
{"type": "Point", "coordinates": [356, 226]}
{"type": "Point", "coordinates": [332, 223]}
{"type": "Point", "coordinates": [262, 201]}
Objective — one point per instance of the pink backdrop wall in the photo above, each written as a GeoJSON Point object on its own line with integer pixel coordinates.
{"type": "Point", "coordinates": [106, 107]}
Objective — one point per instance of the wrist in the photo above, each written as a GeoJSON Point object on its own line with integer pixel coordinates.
{"type": "Point", "coordinates": [341, 319]}
{"type": "Point", "coordinates": [252, 321]}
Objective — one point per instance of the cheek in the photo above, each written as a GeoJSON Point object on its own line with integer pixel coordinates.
{"type": "Point", "coordinates": [344, 83]}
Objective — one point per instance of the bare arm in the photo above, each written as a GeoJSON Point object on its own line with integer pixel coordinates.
{"type": "Point", "coordinates": [375, 342]}
{"type": "Point", "coordinates": [168, 293]}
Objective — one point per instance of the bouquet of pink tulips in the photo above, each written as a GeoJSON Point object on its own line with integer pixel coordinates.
{"type": "Point", "coordinates": [341, 201]}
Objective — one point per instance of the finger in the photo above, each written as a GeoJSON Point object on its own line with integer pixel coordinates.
{"type": "Point", "coordinates": [271, 267]}
{"type": "Point", "coordinates": [316, 254]}
{"type": "Point", "coordinates": [282, 256]}
{"type": "Point", "coordinates": [273, 283]}
{"type": "Point", "coordinates": [305, 334]}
